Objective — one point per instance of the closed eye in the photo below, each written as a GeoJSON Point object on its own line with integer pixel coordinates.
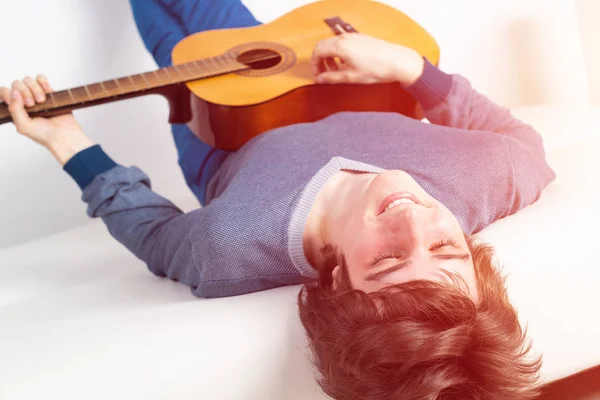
{"type": "Point", "coordinates": [437, 245]}
{"type": "Point", "coordinates": [442, 243]}
{"type": "Point", "coordinates": [449, 256]}
{"type": "Point", "coordinates": [382, 256]}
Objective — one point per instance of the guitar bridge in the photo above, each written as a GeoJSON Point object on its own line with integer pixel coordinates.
{"type": "Point", "coordinates": [339, 27]}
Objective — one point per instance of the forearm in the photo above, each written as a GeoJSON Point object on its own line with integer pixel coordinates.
{"type": "Point", "coordinates": [65, 148]}
{"type": "Point", "coordinates": [148, 225]}
{"type": "Point", "coordinates": [450, 100]}
{"type": "Point", "coordinates": [409, 68]}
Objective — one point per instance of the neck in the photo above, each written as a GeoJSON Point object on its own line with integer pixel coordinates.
{"type": "Point", "coordinates": [327, 217]}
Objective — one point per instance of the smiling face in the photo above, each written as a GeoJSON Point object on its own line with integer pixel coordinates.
{"type": "Point", "coordinates": [395, 232]}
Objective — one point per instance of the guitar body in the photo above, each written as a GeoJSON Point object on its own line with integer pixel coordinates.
{"type": "Point", "coordinates": [230, 109]}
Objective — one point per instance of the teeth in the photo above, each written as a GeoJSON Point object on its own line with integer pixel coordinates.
{"type": "Point", "coordinates": [394, 203]}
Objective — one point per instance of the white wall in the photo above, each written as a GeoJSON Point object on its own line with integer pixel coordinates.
{"type": "Point", "coordinates": [517, 52]}
{"type": "Point", "coordinates": [589, 15]}
{"type": "Point", "coordinates": [76, 42]}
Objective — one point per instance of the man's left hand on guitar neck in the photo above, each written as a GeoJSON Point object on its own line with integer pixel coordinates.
{"type": "Point", "coordinates": [61, 135]}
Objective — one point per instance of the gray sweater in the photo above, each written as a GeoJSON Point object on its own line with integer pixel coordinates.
{"type": "Point", "coordinates": [473, 156]}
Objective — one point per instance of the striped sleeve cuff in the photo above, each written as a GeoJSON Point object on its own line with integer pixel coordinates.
{"type": "Point", "coordinates": [432, 87]}
{"type": "Point", "coordinates": [87, 164]}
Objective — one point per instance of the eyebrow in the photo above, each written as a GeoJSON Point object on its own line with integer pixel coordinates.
{"type": "Point", "coordinates": [382, 274]}
{"type": "Point", "coordinates": [463, 256]}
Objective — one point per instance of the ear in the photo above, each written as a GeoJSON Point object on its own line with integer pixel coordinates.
{"type": "Point", "coordinates": [335, 276]}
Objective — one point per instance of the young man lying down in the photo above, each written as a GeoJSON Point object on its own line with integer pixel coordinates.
{"type": "Point", "coordinates": [372, 212]}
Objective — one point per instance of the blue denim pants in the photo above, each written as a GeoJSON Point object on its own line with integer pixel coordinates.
{"type": "Point", "coordinates": [162, 24]}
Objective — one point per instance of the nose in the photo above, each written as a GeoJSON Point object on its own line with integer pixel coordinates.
{"type": "Point", "coordinates": [411, 224]}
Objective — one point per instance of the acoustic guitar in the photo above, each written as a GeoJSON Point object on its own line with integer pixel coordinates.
{"type": "Point", "coordinates": [230, 85]}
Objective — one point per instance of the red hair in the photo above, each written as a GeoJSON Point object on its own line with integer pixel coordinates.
{"type": "Point", "coordinates": [418, 340]}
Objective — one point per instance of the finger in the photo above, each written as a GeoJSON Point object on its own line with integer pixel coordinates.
{"type": "Point", "coordinates": [331, 64]}
{"type": "Point", "coordinates": [326, 48]}
{"type": "Point", "coordinates": [17, 111]}
{"type": "Point", "coordinates": [5, 95]}
{"type": "Point", "coordinates": [342, 76]}
{"type": "Point", "coordinates": [35, 88]}
{"type": "Point", "coordinates": [44, 83]}
{"type": "Point", "coordinates": [331, 47]}
{"type": "Point", "coordinates": [25, 93]}
{"type": "Point", "coordinates": [327, 64]}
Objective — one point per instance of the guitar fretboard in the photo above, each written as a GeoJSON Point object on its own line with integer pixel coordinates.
{"type": "Point", "coordinates": [133, 85]}
{"type": "Point", "coordinates": [146, 81]}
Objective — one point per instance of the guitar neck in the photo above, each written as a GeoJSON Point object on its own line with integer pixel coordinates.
{"type": "Point", "coordinates": [154, 82]}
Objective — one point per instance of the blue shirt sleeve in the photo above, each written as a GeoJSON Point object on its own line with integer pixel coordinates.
{"type": "Point", "coordinates": [432, 87]}
{"type": "Point", "coordinates": [84, 166]}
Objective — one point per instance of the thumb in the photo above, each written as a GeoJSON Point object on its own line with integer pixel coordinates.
{"type": "Point", "coordinates": [17, 111]}
{"type": "Point", "coordinates": [344, 76]}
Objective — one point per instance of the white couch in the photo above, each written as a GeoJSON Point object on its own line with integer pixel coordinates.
{"type": "Point", "coordinates": [81, 318]}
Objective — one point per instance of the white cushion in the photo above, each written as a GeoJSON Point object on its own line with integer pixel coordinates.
{"type": "Point", "coordinates": [82, 318]}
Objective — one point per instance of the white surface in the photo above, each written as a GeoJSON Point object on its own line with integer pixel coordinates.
{"type": "Point", "coordinates": [80, 317]}
{"type": "Point", "coordinates": [95, 325]}
{"type": "Point", "coordinates": [516, 52]}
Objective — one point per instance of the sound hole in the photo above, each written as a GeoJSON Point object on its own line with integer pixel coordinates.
{"type": "Point", "coordinates": [259, 58]}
